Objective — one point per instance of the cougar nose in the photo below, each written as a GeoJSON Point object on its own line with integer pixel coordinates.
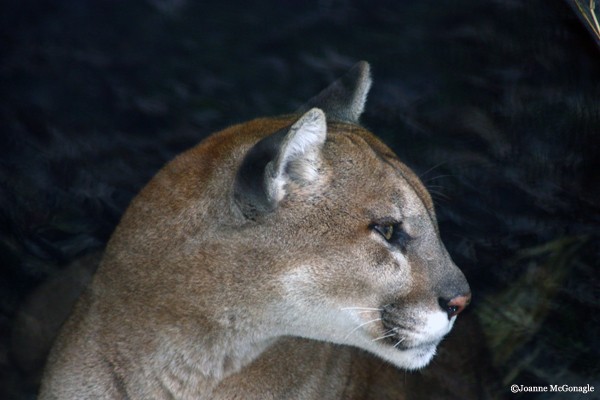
{"type": "Point", "coordinates": [456, 305]}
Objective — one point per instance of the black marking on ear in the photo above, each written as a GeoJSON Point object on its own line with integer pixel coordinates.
{"type": "Point", "coordinates": [344, 100]}
{"type": "Point", "coordinates": [250, 188]}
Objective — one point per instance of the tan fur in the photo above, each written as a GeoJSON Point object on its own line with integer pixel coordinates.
{"type": "Point", "coordinates": [194, 300]}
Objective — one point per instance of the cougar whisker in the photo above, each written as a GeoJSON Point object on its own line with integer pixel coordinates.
{"type": "Point", "coordinates": [361, 325]}
{"type": "Point", "coordinates": [422, 175]}
{"type": "Point", "coordinates": [387, 334]}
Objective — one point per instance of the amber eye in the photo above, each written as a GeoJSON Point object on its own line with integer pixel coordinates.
{"type": "Point", "coordinates": [393, 233]}
{"type": "Point", "coordinates": [387, 231]}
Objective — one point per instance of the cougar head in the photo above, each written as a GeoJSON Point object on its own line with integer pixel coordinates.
{"type": "Point", "coordinates": [349, 232]}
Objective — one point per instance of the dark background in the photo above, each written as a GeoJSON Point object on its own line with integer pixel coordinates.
{"type": "Point", "coordinates": [494, 103]}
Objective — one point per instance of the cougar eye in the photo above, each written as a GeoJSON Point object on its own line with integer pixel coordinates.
{"type": "Point", "coordinates": [393, 233]}
{"type": "Point", "coordinates": [387, 231]}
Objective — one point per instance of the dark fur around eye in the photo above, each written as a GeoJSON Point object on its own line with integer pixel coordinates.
{"type": "Point", "coordinates": [393, 233]}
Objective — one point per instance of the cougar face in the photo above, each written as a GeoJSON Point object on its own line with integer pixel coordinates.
{"type": "Point", "coordinates": [369, 268]}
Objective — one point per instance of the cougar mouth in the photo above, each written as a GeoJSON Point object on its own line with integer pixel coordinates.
{"type": "Point", "coordinates": [400, 341]}
{"type": "Point", "coordinates": [406, 336]}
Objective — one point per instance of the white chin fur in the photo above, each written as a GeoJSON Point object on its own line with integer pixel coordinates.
{"type": "Point", "coordinates": [414, 358]}
{"type": "Point", "coordinates": [423, 341]}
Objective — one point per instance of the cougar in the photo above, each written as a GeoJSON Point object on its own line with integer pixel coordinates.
{"type": "Point", "coordinates": [293, 257]}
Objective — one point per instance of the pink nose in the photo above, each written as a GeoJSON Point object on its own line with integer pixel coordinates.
{"type": "Point", "coordinates": [456, 305]}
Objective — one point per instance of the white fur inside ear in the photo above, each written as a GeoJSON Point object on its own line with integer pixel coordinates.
{"type": "Point", "coordinates": [298, 158]}
{"type": "Point", "coordinates": [306, 135]}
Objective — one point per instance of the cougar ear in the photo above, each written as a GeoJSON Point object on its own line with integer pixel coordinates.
{"type": "Point", "coordinates": [288, 155]}
{"type": "Point", "coordinates": [344, 100]}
